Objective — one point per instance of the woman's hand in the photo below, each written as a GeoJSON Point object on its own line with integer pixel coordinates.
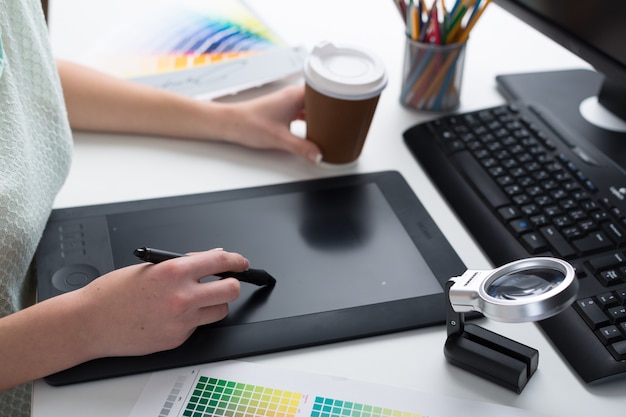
{"type": "Point", "coordinates": [99, 102]}
{"type": "Point", "coordinates": [152, 307]}
{"type": "Point", "coordinates": [135, 310]}
{"type": "Point", "coordinates": [264, 123]}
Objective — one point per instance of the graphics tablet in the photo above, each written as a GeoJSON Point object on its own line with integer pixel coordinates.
{"type": "Point", "coordinates": [353, 256]}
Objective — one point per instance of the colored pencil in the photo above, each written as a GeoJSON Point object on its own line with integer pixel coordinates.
{"type": "Point", "coordinates": [430, 78]}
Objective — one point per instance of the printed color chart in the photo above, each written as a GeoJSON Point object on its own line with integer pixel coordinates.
{"type": "Point", "coordinates": [218, 397]}
{"type": "Point", "coordinates": [242, 389]}
{"type": "Point", "coordinates": [328, 407]}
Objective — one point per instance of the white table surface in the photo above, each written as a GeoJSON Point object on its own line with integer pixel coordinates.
{"type": "Point", "coordinates": [111, 168]}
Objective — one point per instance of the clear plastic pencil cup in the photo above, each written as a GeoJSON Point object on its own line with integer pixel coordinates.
{"type": "Point", "coordinates": [432, 75]}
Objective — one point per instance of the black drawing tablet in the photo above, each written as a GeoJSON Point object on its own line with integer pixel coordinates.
{"type": "Point", "coordinates": [353, 256]}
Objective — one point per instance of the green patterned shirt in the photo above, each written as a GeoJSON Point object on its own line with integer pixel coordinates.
{"type": "Point", "coordinates": [35, 153]}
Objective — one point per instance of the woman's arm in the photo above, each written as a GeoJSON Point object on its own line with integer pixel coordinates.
{"type": "Point", "coordinates": [99, 102]}
{"type": "Point", "coordinates": [136, 310]}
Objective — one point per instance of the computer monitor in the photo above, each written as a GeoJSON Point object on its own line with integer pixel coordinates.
{"type": "Point", "coordinates": [592, 104]}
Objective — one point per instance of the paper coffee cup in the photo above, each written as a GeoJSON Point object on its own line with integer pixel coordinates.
{"type": "Point", "coordinates": [343, 85]}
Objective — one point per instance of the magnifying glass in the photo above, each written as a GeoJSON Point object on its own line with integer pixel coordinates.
{"type": "Point", "coordinates": [526, 290]}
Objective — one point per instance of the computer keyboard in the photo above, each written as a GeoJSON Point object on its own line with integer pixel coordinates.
{"type": "Point", "coordinates": [523, 188]}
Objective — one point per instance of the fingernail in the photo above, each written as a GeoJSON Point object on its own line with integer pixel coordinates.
{"type": "Point", "coordinates": [316, 158]}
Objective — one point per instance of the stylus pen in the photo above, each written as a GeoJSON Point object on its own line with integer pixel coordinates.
{"type": "Point", "coordinates": [252, 276]}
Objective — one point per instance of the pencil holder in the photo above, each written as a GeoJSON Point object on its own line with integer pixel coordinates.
{"type": "Point", "coordinates": [432, 75]}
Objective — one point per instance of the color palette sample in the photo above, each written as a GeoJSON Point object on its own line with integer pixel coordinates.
{"type": "Point", "coordinates": [181, 37]}
{"type": "Point", "coordinates": [219, 397]}
{"type": "Point", "coordinates": [142, 38]}
{"type": "Point", "coordinates": [241, 389]}
{"type": "Point", "coordinates": [328, 407]}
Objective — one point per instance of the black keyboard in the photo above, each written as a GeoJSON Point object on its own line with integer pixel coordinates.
{"type": "Point", "coordinates": [522, 189]}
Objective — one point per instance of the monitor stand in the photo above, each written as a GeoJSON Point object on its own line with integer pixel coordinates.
{"type": "Point", "coordinates": [561, 94]}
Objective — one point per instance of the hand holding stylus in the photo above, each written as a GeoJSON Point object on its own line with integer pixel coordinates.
{"type": "Point", "coordinates": [253, 276]}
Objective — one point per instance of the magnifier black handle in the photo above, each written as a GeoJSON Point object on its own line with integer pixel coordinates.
{"type": "Point", "coordinates": [492, 356]}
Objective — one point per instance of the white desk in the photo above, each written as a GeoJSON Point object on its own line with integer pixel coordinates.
{"type": "Point", "coordinates": [110, 168]}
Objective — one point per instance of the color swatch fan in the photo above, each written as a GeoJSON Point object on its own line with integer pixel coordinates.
{"type": "Point", "coordinates": [199, 48]}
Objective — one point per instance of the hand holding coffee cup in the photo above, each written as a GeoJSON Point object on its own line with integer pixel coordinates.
{"type": "Point", "coordinates": [343, 85]}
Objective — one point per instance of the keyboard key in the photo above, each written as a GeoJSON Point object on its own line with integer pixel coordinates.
{"type": "Point", "coordinates": [552, 210]}
{"type": "Point", "coordinates": [521, 199]}
{"type": "Point", "coordinates": [571, 233]}
{"type": "Point", "coordinates": [557, 242]}
{"type": "Point", "coordinates": [618, 350]}
{"type": "Point", "coordinates": [595, 242]}
{"type": "Point", "coordinates": [615, 232]}
{"type": "Point", "coordinates": [590, 205]}
{"type": "Point", "coordinates": [531, 209]}
{"type": "Point", "coordinates": [539, 220]}
{"type": "Point", "coordinates": [578, 214]}
{"type": "Point", "coordinates": [562, 221]}
{"type": "Point", "coordinates": [601, 262]}
{"type": "Point", "coordinates": [617, 314]}
{"type": "Point", "coordinates": [504, 180]}
{"type": "Point", "coordinates": [591, 186]}
{"type": "Point", "coordinates": [577, 193]}
{"type": "Point", "coordinates": [600, 216]}
{"type": "Point", "coordinates": [621, 296]}
{"type": "Point", "coordinates": [610, 334]}
{"type": "Point", "coordinates": [606, 300]}
{"type": "Point", "coordinates": [609, 277]}
{"type": "Point", "coordinates": [520, 226]}
{"type": "Point", "coordinates": [592, 313]}
{"type": "Point", "coordinates": [513, 189]}
{"type": "Point", "coordinates": [588, 225]}
{"type": "Point", "coordinates": [534, 243]}
{"type": "Point", "coordinates": [509, 213]}
{"type": "Point", "coordinates": [483, 156]}
{"type": "Point", "coordinates": [544, 200]}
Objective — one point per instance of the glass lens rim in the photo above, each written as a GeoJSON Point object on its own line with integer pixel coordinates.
{"type": "Point", "coordinates": [529, 264]}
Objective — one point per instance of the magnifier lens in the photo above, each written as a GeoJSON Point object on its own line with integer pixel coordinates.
{"type": "Point", "coordinates": [525, 283]}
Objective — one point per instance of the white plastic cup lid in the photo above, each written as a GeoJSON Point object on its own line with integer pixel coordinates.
{"type": "Point", "coordinates": [344, 72]}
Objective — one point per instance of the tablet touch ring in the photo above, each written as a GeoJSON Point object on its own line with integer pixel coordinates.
{"type": "Point", "coordinates": [73, 277]}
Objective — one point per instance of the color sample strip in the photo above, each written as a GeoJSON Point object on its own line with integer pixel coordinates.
{"type": "Point", "coordinates": [173, 35]}
{"type": "Point", "coordinates": [219, 397]}
{"type": "Point", "coordinates": [328, 407]}
{"type": "Point", "coordinates": [171, 399]}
